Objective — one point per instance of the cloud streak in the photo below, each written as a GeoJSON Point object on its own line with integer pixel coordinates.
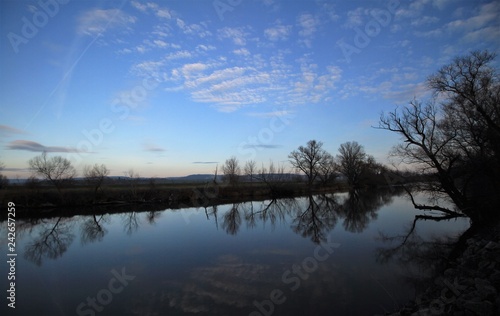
{"type": "Point", "coordinates": [32, 146]}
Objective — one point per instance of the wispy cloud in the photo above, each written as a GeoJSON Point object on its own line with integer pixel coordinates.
{"type": "Point", "coordinates": [308, 23]}
{"type": "Point", "coordinates": [262, 146]}
{"type": "Point", "coordinates": [205, 162]}
{"type": "Point", "coordinates": [98, 21]}
{"type": "Point", "coordinates": [237, 34]}
{"type": "Point", "coordinates": [9, 130]}
{"type": "Point", "coordinates": [277, 113]}
{"type": "Point", "coordinates": [278, 32]}
{"type": "Point", "coordinates": [148, 146]}
{"type": "Point", "coordinates": [28, 145]}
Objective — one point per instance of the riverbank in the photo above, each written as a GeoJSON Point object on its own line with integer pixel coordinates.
{"type": "Point", "coordinates": [469, 284]}
{"type": "Point", "coordinates": [41, 200]}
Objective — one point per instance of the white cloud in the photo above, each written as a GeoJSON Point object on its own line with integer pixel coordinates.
{"type": "Point", "coordinates": [236, 34]}
{"type": "Point", "coordinates": [308, 24]}
{"type": "Point", "coordinates": [205, 48]}
{"type": "Point", "coordinates": [278, 32]}
{"type": "Point", "coordinates": [179, 54]}
{"type": "Point", "coordinates": [199, 30]}
{"type": "Point", "coordinates": [188, 70]}
{"type": "Point", "coordinates": [424, 20]}
{"type": "Point", "coordinates": [98, 21]}
{"type": "Point", "coordinates": [160, 43]}
{"type": "Point", "coordinates": [164, 13]}
{"type": "Point", "coordinates": [355, 18]}
{"type": "Point", "coordinates": [241, 51]}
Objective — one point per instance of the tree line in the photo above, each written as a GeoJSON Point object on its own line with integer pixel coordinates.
{"type": "Point", "coordinates": [313, 162]}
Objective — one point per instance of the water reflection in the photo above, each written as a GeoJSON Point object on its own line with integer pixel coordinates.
{"type": "Point", "coordinates": [93, 229]}
{"type": "Point", "coordinates": [312, 217]}
{"type": "Point", "coordinates": [52, 240]}
{"type": "Point", "coordinates": [317, 219]}
{"type": "Point", "coordinates": [219, 260]}
{"type": "Point", "coordinates": [130, 222]}
{"type": "Point", "coordinates": [359, 208]}
{"type": "Point", "coordinates": [232, 220]}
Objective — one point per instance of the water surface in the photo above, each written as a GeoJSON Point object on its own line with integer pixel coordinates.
{"type": "Point", "coordinates": [318, 255]}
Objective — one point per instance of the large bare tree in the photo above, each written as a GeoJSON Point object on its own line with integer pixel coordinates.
{"type": "Point", "coordinates": [309, 159]}
{"type": "Point", "coordinates": [57, 170]}
{"type": "Point", "coordinates": [352, 161]}
{"type": "Point", "coordinates": [458, 139]}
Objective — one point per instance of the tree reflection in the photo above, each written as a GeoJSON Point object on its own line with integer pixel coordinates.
{"type": "Point", "coordinates": [318, 219]}
{"type": "Point", "coordinates": [420, 258]}
{"type": "Point", "coordinates": [232, 220]}
{"type": "Point", "coordinates": [152, 216]}
{"type": "Point", "coordinates": [213, 213]}
{"type": "Point", "coordinates": [313, 217]}
{"type": "Point", "coordinates": [273, 211]}
{"type": "Point", "coordinates": [52, 241]}
{"type": "Point", "coordinates": [360, 207]}
{"type": "Point", "coordinates": [130, 222]}
{"type": "Point", "coordinates": [92, 229]}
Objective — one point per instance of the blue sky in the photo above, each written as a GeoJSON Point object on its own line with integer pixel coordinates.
{"type": "Point", "coordinates": [172, 88]}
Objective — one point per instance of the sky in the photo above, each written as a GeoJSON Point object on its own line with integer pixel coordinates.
{"type": "Point", "coordinates": [171, 88]}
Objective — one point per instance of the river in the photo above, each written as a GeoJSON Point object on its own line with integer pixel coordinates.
{"type": "Point", "coordinates": [317, 255]}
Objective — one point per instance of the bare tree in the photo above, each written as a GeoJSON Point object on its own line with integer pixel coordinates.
{"type": "Point", "coordinates": [308, 159]}
{"type": "Point", "coordinates": [351, 162]}
{"type": "Point", "coordinates": [328, 170]}
{"type": "Point", "coordinates": [95, 175]}
{"type": "Point", "coordinates": [250, 169]}
{"type": "Point", "coordinates": [231, 170]}
{"type": "Point", "coordinates": [133, 180]}
{"type": "Point", "coordinates": [458, 140]}
{"type": "Point", "coordinates": [57, 170]}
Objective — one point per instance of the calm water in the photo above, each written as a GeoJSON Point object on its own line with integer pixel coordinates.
{"type": "Point", "coordinates": [306, 256]}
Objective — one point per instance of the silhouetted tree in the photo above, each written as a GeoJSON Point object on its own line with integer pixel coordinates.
{"type": "Point", "coordinates": [95, 175]}
{"type": "Point", "coordinates": [273, 176]}
{"type": "Point", "coordinates": [352, 161]}
{"type": "Point", "coordinates": [328, 170]}
{"type": "Point", "coordinates": [458, 140]}
{"type": "Point", "coordinates": [133, 180]}
{"type": "Point", "coordinates": [231, 170]}
{"type": "Point", "coordinates": [309, 159]}
{"type": "Point", "coordinates": [250, 169]}
{"type": "Point", "coordinates": [57, 170]}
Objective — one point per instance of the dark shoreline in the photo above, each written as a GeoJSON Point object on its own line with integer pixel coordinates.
{"type": "Point", "coordinates": [47, 202]}
{"type": "Point", "coordinates": [469, 281]}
